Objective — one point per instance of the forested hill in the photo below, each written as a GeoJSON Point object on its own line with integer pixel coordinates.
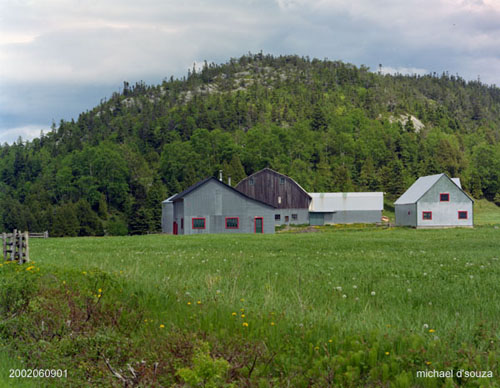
{"type": "Point", "coordinates": [329, 125]}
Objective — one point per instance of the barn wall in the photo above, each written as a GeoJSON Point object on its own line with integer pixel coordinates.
{"type": "Point", "coordinates": [357, 217]}
{"type": "Point", "coordinates": [215, 202]}
{"type": "Point", "coordinates": [444, 213]}
{"type": "Point", "coordinates": [316, 219]}
{"type": "Point", "coordinates": [267, 188]}
{"type": "Point", "coordinates": [302, 216]}
{"type": "Point", "coordinates": [179, 216]}
{"type": "Point", "coordinates": [167, 216]}
{"type": "Point", "coordinates": [406, 215]}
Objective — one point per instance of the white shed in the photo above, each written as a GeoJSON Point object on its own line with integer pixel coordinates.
{"type": "Point", "coordinates": [345, 208]}
{"type": "Point", "coordinates": [435, 201]}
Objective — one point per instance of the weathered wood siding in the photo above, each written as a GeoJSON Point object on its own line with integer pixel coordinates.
{"type": "Point", "coordinates": [269, 187]}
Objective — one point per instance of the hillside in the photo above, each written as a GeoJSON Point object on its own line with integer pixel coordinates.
{"type": "Point", "coordinates": [327, 124]}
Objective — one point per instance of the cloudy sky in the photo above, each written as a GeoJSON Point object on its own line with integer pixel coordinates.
{"type": "Point", "coordinates": [61, 57]}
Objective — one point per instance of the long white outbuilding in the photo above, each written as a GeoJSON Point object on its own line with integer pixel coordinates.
{"type": "Point", "coordinates": [345, 208]}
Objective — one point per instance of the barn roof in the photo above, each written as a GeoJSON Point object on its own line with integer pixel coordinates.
{"type": "Point", "coordinates": [333, 202]}
{"type": "Point", "coordinates": [169, 199]}
{"type": "Point", "coordinates": [421, 186]}
{"type": "Point", "coordinates": [197, 185]}
{"type": "Point", "coordinates": [278, 173]}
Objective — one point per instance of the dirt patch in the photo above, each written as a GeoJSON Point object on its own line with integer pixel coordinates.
{"type": "Point", "coordinates": [295, 229]}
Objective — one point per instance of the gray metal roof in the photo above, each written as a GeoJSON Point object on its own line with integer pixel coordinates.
{"type": "Point", "coordinates": [182, 194]}
{"type": "Point", "coordinates": [169, 199]}
{"type": "Point", "coordinates": [334, 202]}
{"type": "Point", "coordinates": [457, 182]}
{"type": "Point", "coordinates": [421, 186]}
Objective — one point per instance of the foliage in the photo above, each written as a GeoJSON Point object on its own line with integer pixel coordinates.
{"type": "Point", "coordinates": [206, 371]}
{"type": "Point", "coordinates": [327, 124]}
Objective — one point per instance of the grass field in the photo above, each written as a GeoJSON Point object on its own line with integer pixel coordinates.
{"type": "Point", "coordinates": [345, 307]}
{"type": "Point", "coordinates": [486, 213]}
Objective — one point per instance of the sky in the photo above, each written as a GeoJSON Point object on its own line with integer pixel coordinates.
{"type": "Point", "coordinates": [59, 58]}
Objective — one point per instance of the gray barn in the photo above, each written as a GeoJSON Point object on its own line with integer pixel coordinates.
{"type": "Point", "coordinates": [289, 199]}
{"type": "Point", "coordinates": [211, 206]}
{"type": "Point", "coordinates": [435, 201]}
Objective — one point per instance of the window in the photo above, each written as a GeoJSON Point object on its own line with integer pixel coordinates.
{"type": "Point", "coordinates": [427, 215]}
{"type": "Point", "coordinates": [277, 217]}
{"type": "Point", "coordinates": [198, 223]}
{"type": "Point", "coordinates": [182, 223]}
{"type": "Point", "coordinates": [279, 199]}
{"type": "Point", "coordinates": [232, 222]}
{"type": "Point", "coordinates": [463, 215]}
{"type": "Point", "coordinates": [282, 181]}
{"type": "Point", "coordinates": [287, 218]}
{"type": "Point", "coordinates": [251, 182]}
{"type": "Point", "coordinates": [444, 197]}
{"type": "Point", "coordinates": [294, 217]}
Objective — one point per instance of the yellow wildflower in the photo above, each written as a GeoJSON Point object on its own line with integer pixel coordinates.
{"type": "Point", "coordinates": [199, 302]}
{"type": "Point", "coordinates": [233, 314]}
{"type": "Point", "coordinates": [386, 353]}
{"type": "Point", "coordinates": [432, 331]}
{"type": "Point", "coordinates": [272, 323]}
{"type": "Point", "coordinates": [162, 326]}
{"type": "Point", "coordinates": [99, 290]}
{"type": "Point", "coordinates": [330, 340]}
{"type": "Point", "coordinates": [242, 315]}
{"type": "Point", "coordinates": [30, 268]}
{"type": "Point", "coordinates": [189, 303]}
{"type": "Point", "coordinates": [245, 324]}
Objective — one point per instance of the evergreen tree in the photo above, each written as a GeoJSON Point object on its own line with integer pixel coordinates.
{"type": "Point", "coordinates": [368, 179]}
{"type": "Point", "coordinates": [89, 223]}
{"type": "Point", "coordinates": [65, 221]}
{"type": "Point", "coordinates": [318, 122]}
{"type": "Point", "coordinates": [156, 194]}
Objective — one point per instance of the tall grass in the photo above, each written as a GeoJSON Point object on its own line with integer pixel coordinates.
{"type": "Point", "coordinates": [447, 279]}
{"type": "Point", "coordinates": [343, 306]}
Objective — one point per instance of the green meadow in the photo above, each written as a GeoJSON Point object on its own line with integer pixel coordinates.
{"type": "Point", "coordinates": [356, 306]}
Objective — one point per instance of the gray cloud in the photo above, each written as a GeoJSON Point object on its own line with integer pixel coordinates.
{"type": "Point", "coordinates": [60, 57]}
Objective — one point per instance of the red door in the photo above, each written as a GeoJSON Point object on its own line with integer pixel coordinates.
{"type": "Point", "coordinates": [258, 225]}
{"type": "Point", "coordinates": [175, 228]}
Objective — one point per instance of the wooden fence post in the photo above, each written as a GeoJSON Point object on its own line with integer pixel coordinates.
{"type": "Point", "coordinates": [16, 246]}
{"type": "Point", "coordinates": [20, 248]}
{"type": "Point", "coordinates": [4, 237]}
{"type": "Point", "coordinates": [14, 254]}
{"type": "Point", "coordinates": [27, 247]}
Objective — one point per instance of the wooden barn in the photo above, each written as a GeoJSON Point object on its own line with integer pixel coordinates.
{"type": "Point", "coordinates": [290, 200]}
{"type": "Point", "coordinates": [211, 206]}
{"type": "Point", "coordinates": [435, 201]}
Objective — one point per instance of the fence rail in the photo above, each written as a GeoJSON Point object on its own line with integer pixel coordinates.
{"type": "Point", "coordinates": [39, 235]}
